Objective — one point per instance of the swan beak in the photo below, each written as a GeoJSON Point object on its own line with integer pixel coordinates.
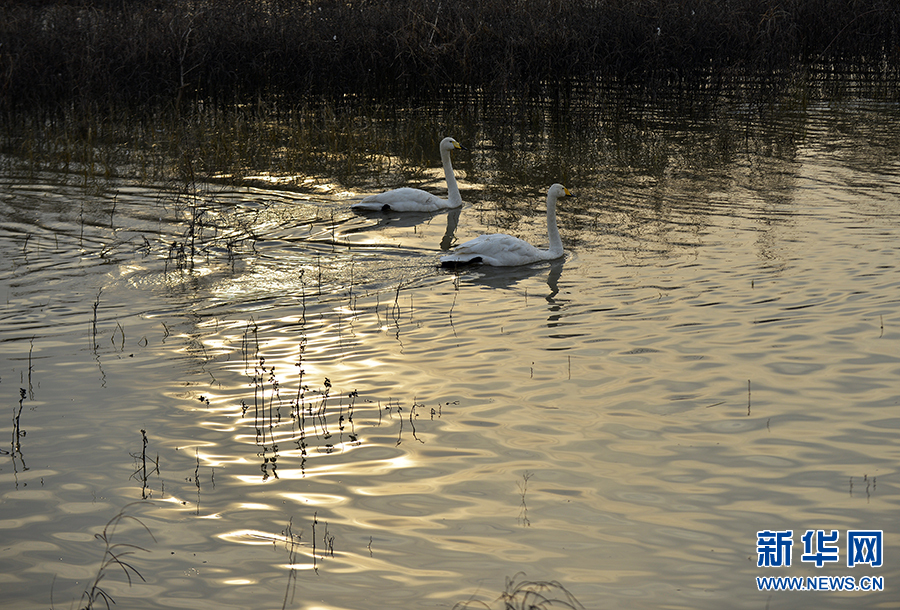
{"type": "Point", "coordinates": [568, 192]}
{"type": "Point", "coordinates": [459, 146]}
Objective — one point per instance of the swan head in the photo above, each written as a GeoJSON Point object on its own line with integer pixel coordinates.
{"type": "Point", "coordinates": [449, 144]}
{"type": "Point", "coordinates": [556, 191]}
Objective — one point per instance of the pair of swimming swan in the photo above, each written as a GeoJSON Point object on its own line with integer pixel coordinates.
{"type": "Point", "coordinates": [499, 249]}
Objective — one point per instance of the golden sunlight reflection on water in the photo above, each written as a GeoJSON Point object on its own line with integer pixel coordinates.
{"type": "Point", "coordinates": [715, 356]}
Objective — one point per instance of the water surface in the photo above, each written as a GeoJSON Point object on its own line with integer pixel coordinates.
{"type": "Point", "coordinates": [332, 421]}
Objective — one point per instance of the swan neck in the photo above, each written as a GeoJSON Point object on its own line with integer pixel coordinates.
{"type": "Point", "coordinates": [556, 247]}
{"type": "Point", "coordinates": [452, 188]}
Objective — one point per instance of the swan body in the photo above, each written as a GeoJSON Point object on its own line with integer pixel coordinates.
{"type": "Point", "coordinates": [416, 200]}
{"type": "Point", "coordinates": [501, 250]}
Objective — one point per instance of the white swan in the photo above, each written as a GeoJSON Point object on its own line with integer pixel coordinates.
{"type": "Point", "coordinates": [502, 250]}
{"type": "Point", "coordinates": [416, 200]}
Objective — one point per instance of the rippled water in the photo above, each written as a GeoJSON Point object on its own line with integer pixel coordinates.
{"type": "Point", "coordinates": [306, 412]}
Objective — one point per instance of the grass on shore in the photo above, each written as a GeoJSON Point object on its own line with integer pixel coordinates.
{"type": "Point", "coordinates": [108, 53]}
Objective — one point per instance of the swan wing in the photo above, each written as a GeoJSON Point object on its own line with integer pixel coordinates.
{"type": "Point", "coordinates": [403, 200]}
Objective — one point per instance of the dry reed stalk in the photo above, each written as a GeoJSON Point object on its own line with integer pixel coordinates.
{"type": "Point", "coordinates": [74, 54]}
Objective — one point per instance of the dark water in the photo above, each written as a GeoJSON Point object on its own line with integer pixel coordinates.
{"type": "Point", "coordinates": [332, 421]}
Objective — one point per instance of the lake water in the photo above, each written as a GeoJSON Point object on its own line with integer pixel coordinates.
{"type": "Point", "coordinates": [305, 411]}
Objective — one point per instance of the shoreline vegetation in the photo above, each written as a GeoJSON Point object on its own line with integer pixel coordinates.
{"type": "Point", "coordinates": [219, 89]}
{"type": "Point", "coordinates": [108, 53]}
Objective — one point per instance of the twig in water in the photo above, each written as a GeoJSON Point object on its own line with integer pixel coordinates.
{"type": "Point", "coordinates": [319, 264]}
{"type": "Point", "coordinates": [121, 330]}
{"type": "Point", "coordinates": [395, 310]}
{"type": "Point", "coordinates": [523, 489]}
{"type": "Point", "coordinates": [315, 520]}
{"type": "Point", "coordinates": [412, 413]}
{"type": "Point", "coordinates": [302, 300]}
{"type": "Point", "coordinates": [328, 541]}
{"type": "Point", "coordinates": [113, 556]}
{"type": "Point", "coordinates": [94, 324]}
{"type": "Point", "coordinates": [30, 369]}
{"type": "Point", "coordinates": [141, 471]}
{"type": "Point", "coordinates": [527, 595]}
{"type": "Point", "coordinates": [291, 542]}
{"type": "Point", "coordinates": [112, 212]}
{"type": "Point", "coordinates": [748, 398]}
{"type": "Point", "coordinates": [197, 477]}
{"type": "Point", "coordinates": [18, 433]}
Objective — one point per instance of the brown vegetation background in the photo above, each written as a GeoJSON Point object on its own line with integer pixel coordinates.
{"type": "Point", "coordinates": [134, 52]}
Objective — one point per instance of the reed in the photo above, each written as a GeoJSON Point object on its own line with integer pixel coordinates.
{"type": "Point", "coordinates": [315, 562]}
{"type": "Point", "coordinates": [115, 555]}
{"type": "Point", "coordinates": [364, 145]}
{"type": "Point", "coordinates": [523, 490]}
{"type": "Point", "coordinates": [102, 53]}
{"type": "Point", "coordinates": [291, 543]}
{"type": "Point", "coordinates": [94, 345]}
{"type": "Point", "coordinates": [412, 416]}
{"type": "Point", "coordinates": [521, 594]}
{"type": "Point", "coordinates": [18, 433]}
{"type": "Point", "coordinates": [30, 369]}
{"type": "Point", "coordinates": [528, 594]}
{"type": "Point", "coordinates": [142, 473]}
{"type": "Point", "coordinates": [748, 398]}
